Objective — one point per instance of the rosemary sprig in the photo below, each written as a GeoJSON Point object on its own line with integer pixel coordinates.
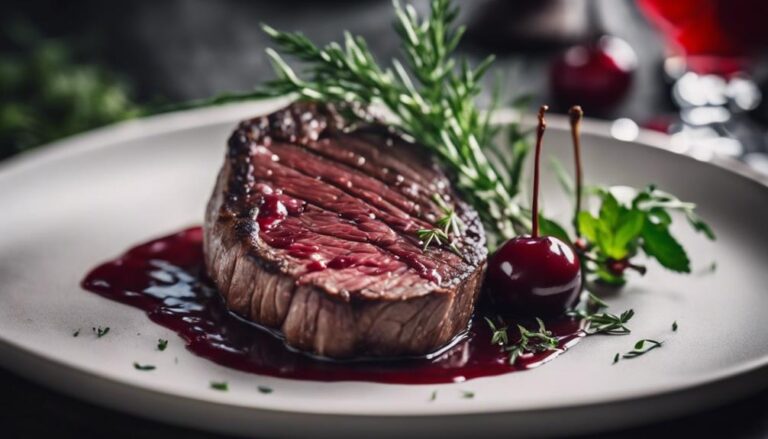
{"type": "Point", "coordinates": [431, 93]}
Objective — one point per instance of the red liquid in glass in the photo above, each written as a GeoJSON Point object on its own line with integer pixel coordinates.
{"type": "Point", "coordinates": [716, 36]}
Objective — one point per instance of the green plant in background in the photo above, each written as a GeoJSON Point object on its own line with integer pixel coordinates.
{"type": "Point", "coordinates": [47, 95]}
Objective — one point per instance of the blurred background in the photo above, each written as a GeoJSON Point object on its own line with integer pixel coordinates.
{"type": "Point", "coordinates": [696, 69]}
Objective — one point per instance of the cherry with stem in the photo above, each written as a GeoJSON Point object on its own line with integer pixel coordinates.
{"type": "Point", "coordinates": [534, 275]}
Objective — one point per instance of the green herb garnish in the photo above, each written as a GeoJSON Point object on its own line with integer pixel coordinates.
{"type": "Point", "coordinates": [466, 394]}
{"type": "Point", "coordinates": [221, 386]}
{"type": "Point", "coordinates": [76, 333]}
{"type": "Point", "coordinates": [448, 224]}
{"type": "Point", "coordinates": [499, 335]}
{"type": "Point", "coordinates": [674, 326]}
{"type": "Point", "coordinates": [433, 396]}
{"type": "Point", "coordinates": [620, 231]}
{"type": "Point", "coordinates": [530, 342]}
{"type": "Point", "coordinates": [642, 347]}
{"type": "Point", "coordinates": [607, 323]}
{"type": "Point", "coordinates": [616, 358]}
{"type": "Point", "coordinates": [265, 389]}
{"type": "Point", "coordinates": [101, 332]}
{"type": "Point", "coordinates": [144, 367]}
{"type": "Point", "coordinates": [162, 344]}
{"type": "Point", "coordinates": [595, 301]}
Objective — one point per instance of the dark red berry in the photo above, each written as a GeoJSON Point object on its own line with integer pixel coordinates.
{"type": "Point", "coordinates": [597, 75]}
{"type": "Point", "coordinates": [536, 276]}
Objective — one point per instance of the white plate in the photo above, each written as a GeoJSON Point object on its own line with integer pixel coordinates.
{"type": "Point", "coordinates": [71, 206]}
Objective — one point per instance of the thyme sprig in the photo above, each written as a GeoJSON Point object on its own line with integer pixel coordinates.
{"type": "Point", "coordinates": [530, 341]}
{"type": "Point", "coordinates": [642, 347]}
{"type": "Point", "coordinates": [608, 323]}
{"type": "Point", "coordinates": [448, 224]}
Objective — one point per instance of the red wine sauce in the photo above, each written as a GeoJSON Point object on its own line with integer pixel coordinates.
{"type": "Point", "coordinates": [165, 279]}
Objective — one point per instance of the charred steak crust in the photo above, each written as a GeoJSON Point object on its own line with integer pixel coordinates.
{"type": "Point", "coordinates": [311, 230]}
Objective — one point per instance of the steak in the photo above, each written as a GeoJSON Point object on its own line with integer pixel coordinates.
{"type": "Point", "coordinates": [311, 231]}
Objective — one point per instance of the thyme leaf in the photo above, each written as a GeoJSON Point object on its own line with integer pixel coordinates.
{"type": "Point", "coordinates": [144, 367]}
{"type": "Point", "coordinates": [642, 347]}
{"type": "Point", "coordinates": [100, 332]}
{"type": "Point", "coordinates": [221, 386]}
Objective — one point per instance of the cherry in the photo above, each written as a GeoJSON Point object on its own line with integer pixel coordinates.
{"type": "Point", "coordinates": [597, 74]}
{"type": "Point", "coordinates": [538, 275]}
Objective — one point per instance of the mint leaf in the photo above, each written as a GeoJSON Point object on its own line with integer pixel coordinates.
{"type": "Point", "coordinates": [660, 216]}
{"type": "Point", "coordinates": [661, 245]}
{"type": "Point", "coordinates": [588, 225]}
{"type": "Point", "coordinates": [629, 228]}
{"type": "Point", "coordinates": [548, 227]}
{"type": "Point", "coordinates": [604, 235]}
{"type": "Point", "coordinates": [609, 210]}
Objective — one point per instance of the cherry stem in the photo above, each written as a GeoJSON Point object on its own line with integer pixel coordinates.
{"type": "Point", "coordinates": [535, 204]}
{"type": "Point", "coordinates": [577, 114]}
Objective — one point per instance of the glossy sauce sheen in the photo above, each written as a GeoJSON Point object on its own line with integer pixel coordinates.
{"type": "Point", "coordinates": [164, 278]}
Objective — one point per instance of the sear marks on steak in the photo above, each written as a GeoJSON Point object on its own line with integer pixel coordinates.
{"type": "Point", "coordinates": [312, 231]}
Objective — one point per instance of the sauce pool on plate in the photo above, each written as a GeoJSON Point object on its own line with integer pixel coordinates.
{"type": "Point", "coordinates": [165, 279]}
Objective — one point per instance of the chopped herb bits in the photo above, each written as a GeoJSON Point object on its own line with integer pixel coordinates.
{"type": "Point", "coordinates": [143, 367]}
{"type": "Point", "coordinates": [221, 386]}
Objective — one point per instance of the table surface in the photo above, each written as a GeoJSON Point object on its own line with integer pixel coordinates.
{"type": "Point", "coordinates": [29, 410]}
{"type": "Point", "coordinates": [212, 61]}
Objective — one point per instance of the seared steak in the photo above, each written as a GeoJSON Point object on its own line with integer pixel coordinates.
{"type": "Point", "coordinates": [312, 230]}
